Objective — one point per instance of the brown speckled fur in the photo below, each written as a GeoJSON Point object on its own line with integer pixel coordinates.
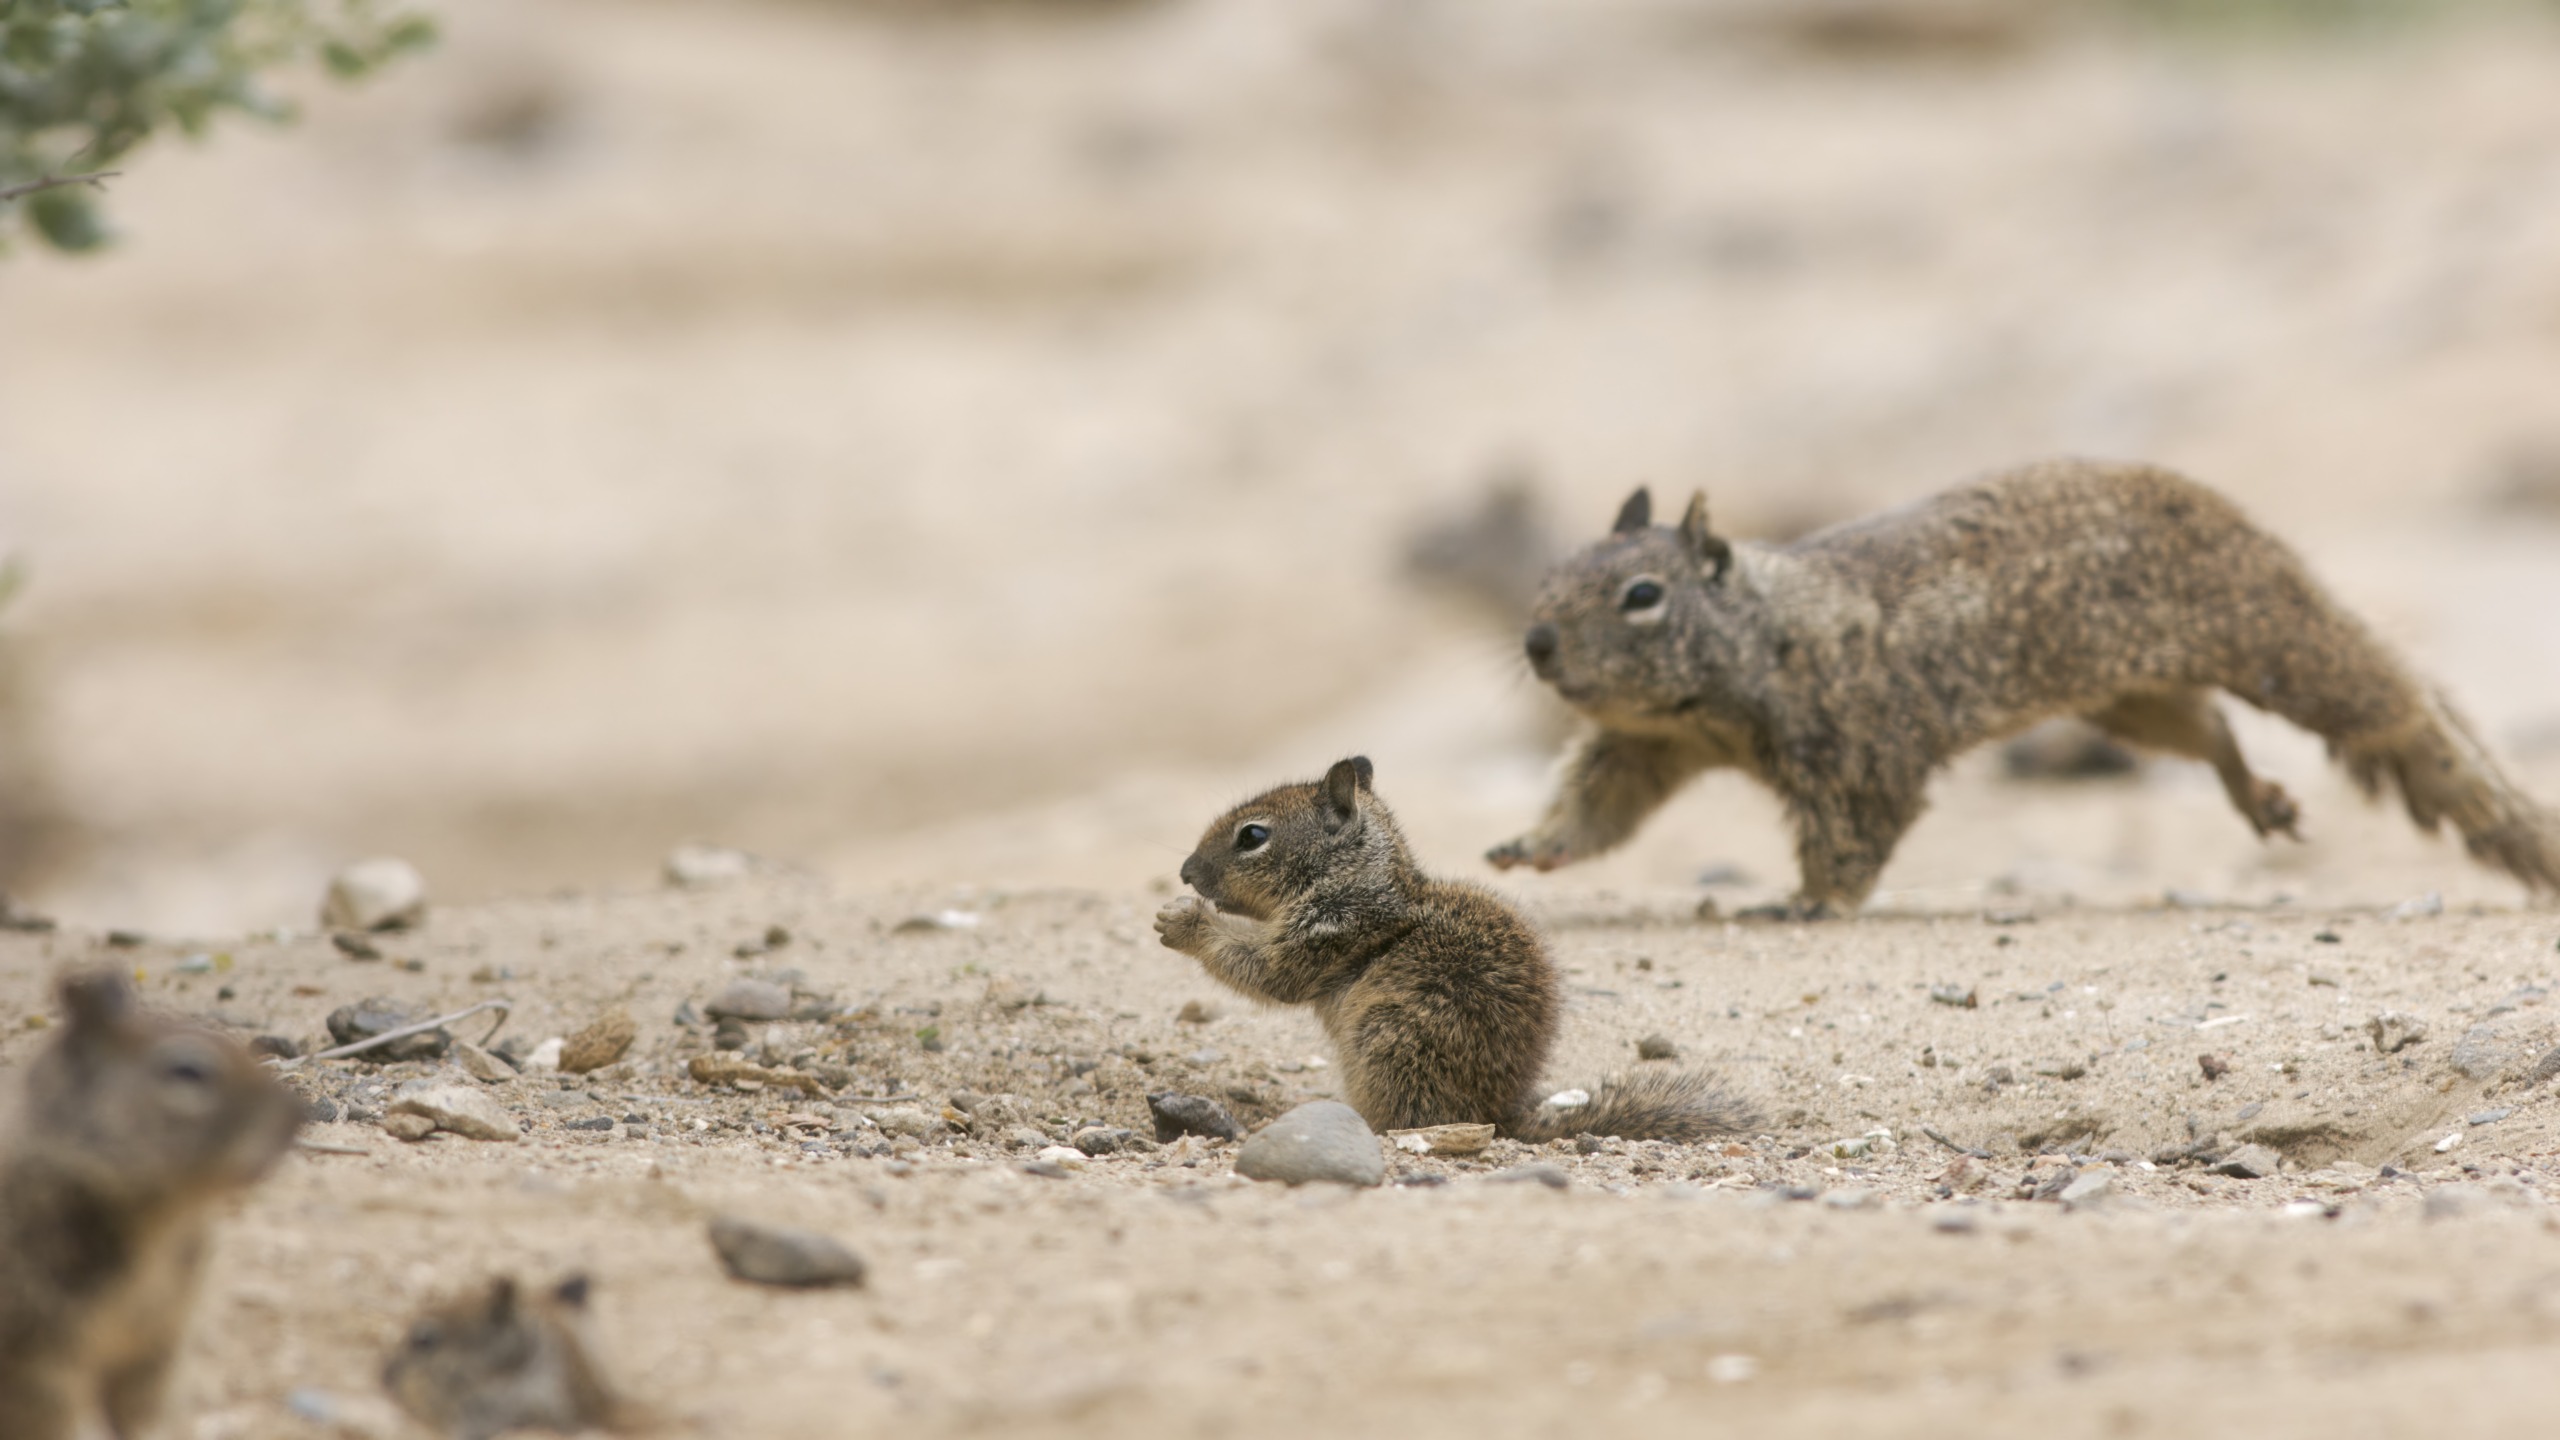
{"type": "Point", "coordinates": [1844, 668]}
{"type": "Point", "coordinates": [1439, 999]}
{"type": "Point", "coordinates": [132, 1127]}
{"type": "Point", "coordinates": [495, 1361]}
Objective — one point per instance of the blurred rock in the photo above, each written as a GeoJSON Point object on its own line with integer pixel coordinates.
{"type": "Point", "coordinates": [1494, 550]}
{"type": "Point", "coordinates": [749, 1000]}
{"type": "Point", "coordinates": [600, 1044]}
{"type": "Point", "coordinates": [1320, 1141]}
{"type": "Point", "coordinates": [1180, 1115]}
{"type": "Point", "coordinates": [384, 893]}
{"type": "Point", "coordinates": [2394, 1032]}
{"type": "Point", "coordinates": [777, 1255]}
{"type": "Point", "coordinates": [1657, 1047]}
{"type": "Point", "coordinates": [480, 1065]}
{"type": "Point", "coordinates": [367, 1018]}
{"type": "Point", "coordinates": [705, 867]}
{"type": "Point", "coordinates": [1896, 29]}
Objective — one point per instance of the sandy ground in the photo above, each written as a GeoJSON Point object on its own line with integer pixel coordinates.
{"type": "Point", "coordinates": [953, 458]}
{"type": "Point", "coordinates": [841, 432]}
{"type": "Point", "coordinates": [1839, 1272]}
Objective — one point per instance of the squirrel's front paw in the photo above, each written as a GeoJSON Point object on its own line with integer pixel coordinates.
{"type": "Point", "coordinates": [1182, 921]}
{"type": "Point", "coordinates": [1528, 850]}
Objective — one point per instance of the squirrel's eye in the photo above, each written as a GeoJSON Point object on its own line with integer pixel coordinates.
{"type": "Point", "coordinates": [188, 1064]}
{"type": "Point", "coordinates": [1642, 595]}
{"type": "Point", "coordinates": [1252, 837]}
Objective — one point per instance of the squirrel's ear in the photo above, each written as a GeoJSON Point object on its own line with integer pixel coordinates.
{"type": "Point", "coordinates": [1636, 514]}
{"type": "Point", "coordinates": [1343, 784]}
{"type": "Point", "coordinates": [572, 1292]}
{"type": "Point", "coordinates": [94, 999]}
{"type": "Point", "coordinates": [1705, 544]}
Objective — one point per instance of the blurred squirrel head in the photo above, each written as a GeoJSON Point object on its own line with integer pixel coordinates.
{"type": "Point", "coordinates": [146, 1109]}
{"type": "Point", "coordinates": [1622, 629]}
{"type": "Point", "coordinates": [1284, 842]}
{"type": "Point", "coordinates": [494, 1359]}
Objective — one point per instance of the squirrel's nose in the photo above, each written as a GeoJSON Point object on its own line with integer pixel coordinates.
{"type": "Point", "coordinates": [1191, 871]}
{"type": "Point", "coordinates": [1541, 645]}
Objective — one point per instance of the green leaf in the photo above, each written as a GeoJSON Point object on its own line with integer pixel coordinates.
{"type": "Point", "coordinates": [67, 220]}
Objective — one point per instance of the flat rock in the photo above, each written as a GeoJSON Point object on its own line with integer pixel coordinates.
{"type": "Point", "coordinates": [1322, 1140]}
{"type": "Point", "coordinates": [1180, 1115]}
{"type": "Point", "coordinates": [465, 1110]}
{"type": "Point", "coordinates": [383, 893]}
{"type": "Point", "coordinates": [601, 1042]}
{"type": "Point", "coordinates": [2090, 1190]}
{"type": "Point", "coordinates": [480, 1065]}
{"type": "Point", "coordinates": [749, 1000]}
{"type": "Point", "coordinates": [779, 1255]}
{"type": "Point", "coordinates": [2250, 1162]}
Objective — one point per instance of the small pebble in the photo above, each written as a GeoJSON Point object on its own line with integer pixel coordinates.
{"type": "Point", "coordinates": [1194, 1012]}
{"type": "Point", "coordinates": [1657, 1047]}
{"type": "Point", "coordinates": [2250, 1162]}
{"type": "Point", "coordinates": [1101, 1140]}
{"type": "Point", "coordinates": [1065, 1157]}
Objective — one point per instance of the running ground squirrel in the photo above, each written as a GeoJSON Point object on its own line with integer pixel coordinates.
{"type": "Point", "coordinates": [1841, 669]}
{"type": "Point", "coordinates": [133, 1127]}
{"type": "Point", "coordinates": [1439, 999]}
{"type": "Point", "coordinates": [494, 1360]}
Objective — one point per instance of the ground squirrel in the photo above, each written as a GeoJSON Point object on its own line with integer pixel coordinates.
{"type": "Point", "coordinates": [1843, 668]}
{"type": "Point", "coordinates": [131, 1129]}
{"type": "Point", "coordinates": [495, 1360]}
{"type": "Point", "coordinates": [1439, 999]}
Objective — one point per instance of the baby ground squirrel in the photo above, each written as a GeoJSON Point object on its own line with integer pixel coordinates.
{"type": "Point", "coordinates": [132, 1128]}
{"type": "Point", "coordinates": [494, 1360]}
{"type": "Point", "coordinates": [1439, 999]}
{"type": "Point", "coordinates": [1843, 668]}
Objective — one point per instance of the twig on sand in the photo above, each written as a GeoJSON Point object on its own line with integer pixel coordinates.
{"type": "Point", "coordinates": [1932, 1132]}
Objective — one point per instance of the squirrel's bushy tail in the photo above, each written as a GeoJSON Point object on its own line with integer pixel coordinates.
{"type": "Point", "coordinates": [2444, 773]}
{"type": "Point", "coordinates": [1680, 1105]}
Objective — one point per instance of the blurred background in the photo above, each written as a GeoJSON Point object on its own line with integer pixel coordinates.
{"type": "Point", "coordinates": [966, 444]}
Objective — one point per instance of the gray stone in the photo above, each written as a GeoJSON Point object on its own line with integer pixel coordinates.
{"type": "Point", "coordinates": [1321, 1140]}
{"type": "Point", "coordinates": [777, 1255]}
{"type": "Point", "coordinates": [367, 1018]}
{"type": "Point", "coordinates": [1102, 1140]}
{"type": "Point", "coordinates": [2481, 1053]}
{"type": "Point", "coordinates": [2447, 1202]}
{"type": "Point", "coordinates": [2394, 1032]}
{"type": "Point", "coordinates": [1547, 1175]}
{"type": "Point", "coordinates": [749, 1000]}
{"type": "Point", "coordinates": [2490, 1117]}
{"type": "Point", "coordinates": [2250, 1162]}
{"type": "Point", "coordinates": [1180, 1115]}
{"type": "Point", "coordinates": [465, 1110]}
{"type": "Point", "coordinates": [378, 894]}
{"type": "Point", "coordinates": [2089, 1191]}
{"type": "Point", "coordinates": [905, 1120]}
